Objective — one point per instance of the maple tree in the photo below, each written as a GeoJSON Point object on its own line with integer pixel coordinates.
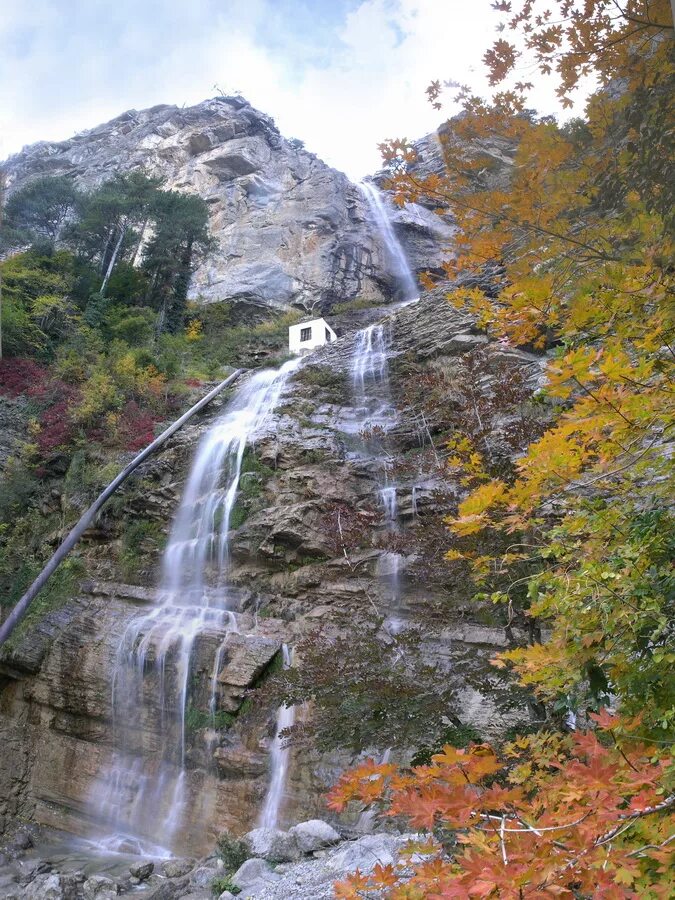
{"type": "Point", "coordinates": [564, 246]}
{"type": "Point", "coordinates": [587, 820]}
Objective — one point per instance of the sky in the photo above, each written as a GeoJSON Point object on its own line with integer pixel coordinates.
{"type": "Point", "coordinates": [341, 75]}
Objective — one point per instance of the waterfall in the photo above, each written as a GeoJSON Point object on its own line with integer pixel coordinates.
{"type": "Point", "coordinates": [394, 251]}
{"type": "Point", "coordinates": [278, 759]}
{"type": "Point", "coordinates": [375, 415]}
{"type": "Point", "coordinates": [145, 790]}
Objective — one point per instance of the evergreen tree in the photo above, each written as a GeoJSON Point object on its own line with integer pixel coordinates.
{"type": "Point", "coordinates": [38, 212]}
{"type": "Point", "coordinates": [180, 239]}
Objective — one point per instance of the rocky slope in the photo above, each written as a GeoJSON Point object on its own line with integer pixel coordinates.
{"type": "Point", "coordinates": [269, 864]}
{"type": "Point", "coordinates": [289, 230]}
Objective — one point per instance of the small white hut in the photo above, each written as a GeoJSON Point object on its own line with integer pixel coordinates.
{"type": "Point", "coordinates": [306, 336]}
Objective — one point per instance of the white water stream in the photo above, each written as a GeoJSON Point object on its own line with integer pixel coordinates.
{"type": "Point", "coordinates": [145, 790]}
{"type": "Point", "coordinates": [396, 257]}
{"type": "Point", "coordinates": [279, 759]}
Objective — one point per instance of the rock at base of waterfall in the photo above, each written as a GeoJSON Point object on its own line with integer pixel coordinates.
{"type": "Point", "coordinates": [253, 877]}
{"type": "Point", "coordinates": [273, 844]}
{"type": "Point", "coordinates": [142, 871]}
{"type": "Point", "coordinates": [98, 887]}
{"type": "Point", "coordinates": [367, 852]}
{"type": "Point", "coordinates": [176, 868]}
{"type": "Point", "coordinates": [44, 887]}
{"type": "Point", "coordinates": [204, 875]}
{"type": "Point", "coordinates": [314, 835]}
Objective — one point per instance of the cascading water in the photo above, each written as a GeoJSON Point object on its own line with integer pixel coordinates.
{"type": "Point", "coordinates": [375, 415]}
{"type": "Point", "coordinates": [279, 758]}
{"type": "Point", "coordinates": [395, 254]}
{"type": "Point", "coordinates": [145, 791]}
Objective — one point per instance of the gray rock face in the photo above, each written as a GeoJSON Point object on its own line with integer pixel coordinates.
{"type": "Point", "coordinates": [289, 230]}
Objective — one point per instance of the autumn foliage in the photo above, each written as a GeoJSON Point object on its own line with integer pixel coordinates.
{"type": "Point", "coordinates": [564, 248]}
{"type": "Point", "coordinates": [586, 821]}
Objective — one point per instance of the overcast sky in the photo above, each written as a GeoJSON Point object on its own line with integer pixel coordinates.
{"type": "Point", "coordinates": [341, 75]}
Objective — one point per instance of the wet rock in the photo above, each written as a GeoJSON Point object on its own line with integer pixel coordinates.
{"type": "Point", "coordinates": [29, 869]}
{"type": "Point", "coordinates": [142, 871]}
{"type": "Point", "coordinates": [20, 841]}
{"type": "Point", "coordinates": [98, 887]}
{"type": "Point", "coordinates": [44, 887]}
{"type": "Point", "coordinates": [314, 835]}
{"type": "Point", "coordinates": [273, 844]}
{"type": "Point", "coordinates": [176, 868]}
{"type": "Point", "coordinates": [71, 884]}
{"type": "Point", "coordinates": [244, 659]}
{"type": "Point", "coordinates": [167, 890]}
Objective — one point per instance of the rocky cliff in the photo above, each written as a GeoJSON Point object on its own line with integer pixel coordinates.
{"type": "Point", "coordinates": [292, 571]}
{"type": "Point", "coordinates": [289, 230]}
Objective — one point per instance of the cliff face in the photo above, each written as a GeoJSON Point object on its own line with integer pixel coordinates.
{"type": "Point", "coordinates": [291, 572]}
{"type": "Point", "coordinates": [289, 230]}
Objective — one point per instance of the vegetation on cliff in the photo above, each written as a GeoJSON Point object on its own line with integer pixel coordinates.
{"type": "Point", "coordinates": [99, 345]}
{"type": "Point", "coordinates": [584, 526]}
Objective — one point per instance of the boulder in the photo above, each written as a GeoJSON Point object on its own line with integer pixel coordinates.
{"type": "Point", "coordinates": [314, 835]}
{"type": "Point", "coordinates": [98, 887]}
{"type": "Point", "coordinates": [142, 871]}
{"type": "Point", "coordinates": [44, 887]}
{"type": "Point", "coordinates": [203, 876]}
{"type": "Point", "coordinates": [253, 877]}
{"type": "Point", "coordinates": [71, 885]}
{"type": "Point", "coordinates": [167, 890]}
{"type": "Point", "coordinates": [176, 868]}
{"type": "Point", "coordinates": [273, 844]}
{"type": "Point", "coordinates": [365, 853]}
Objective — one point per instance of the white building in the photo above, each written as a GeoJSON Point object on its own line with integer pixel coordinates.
{"type": "Point", "coordinates": [306, 336]}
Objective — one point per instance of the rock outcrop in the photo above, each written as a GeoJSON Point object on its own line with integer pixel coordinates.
{"type": "Point", "coordinates": [289, 230]}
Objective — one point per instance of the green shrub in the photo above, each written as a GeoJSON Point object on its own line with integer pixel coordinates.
{"type": "Point", "coordinates": [224, 883]}
{"type": "Point", "coordinates": [238, 515]}
{"type": "Point", "coordinates": [233, 852]}
{"type": "Point", "coordinates": [17, 487]}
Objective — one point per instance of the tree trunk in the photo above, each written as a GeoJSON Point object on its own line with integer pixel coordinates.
{"type": "Point", "coordinates": [139, 242]}
{"type": "Point", "coordinates": [113, 260]}
{"type": "Point", "coordinates": [88, 517]}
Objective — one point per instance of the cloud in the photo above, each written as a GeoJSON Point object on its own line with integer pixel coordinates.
{"type": "Point", "coordinates": [342, 75]}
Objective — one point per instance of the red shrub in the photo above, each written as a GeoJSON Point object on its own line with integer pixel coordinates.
{"type": "Point", "coordinates": [136, 427]}
{"type": "Point", "coordinates": [20, 376]}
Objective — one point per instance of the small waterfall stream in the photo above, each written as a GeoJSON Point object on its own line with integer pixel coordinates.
{"type": "Point", "coordinates": [396, 257]}
{"type": "Point", "coordinates": [145, 791]}
{"type": "Point", "coordinates": [279, 758]}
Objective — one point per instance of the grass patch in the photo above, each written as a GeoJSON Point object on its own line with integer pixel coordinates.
{"type": "Point", "coordinates": [61, 587]}
{"type": "Point", "coordinates": [354, 305]}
